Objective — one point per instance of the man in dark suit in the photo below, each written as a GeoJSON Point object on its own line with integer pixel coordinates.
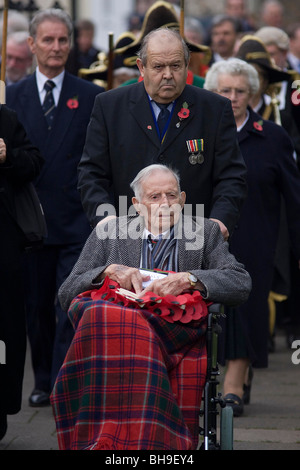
{"type": "Point", "coordinates": [55, 120]}
{"type": "Point", "coordinates": [199, 139]}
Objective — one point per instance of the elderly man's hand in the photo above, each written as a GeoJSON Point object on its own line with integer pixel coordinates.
{"type": "Point", "coordinates": [128, 278]}
{"type": "Point", "coordinates": [173, 284]}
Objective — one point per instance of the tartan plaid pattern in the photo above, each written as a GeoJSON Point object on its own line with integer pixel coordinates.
{"type": "Point", "coordinates": [130, 380]}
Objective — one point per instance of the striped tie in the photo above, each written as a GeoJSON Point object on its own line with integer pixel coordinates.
{"type": "Point", "coordinates": [49, 104]}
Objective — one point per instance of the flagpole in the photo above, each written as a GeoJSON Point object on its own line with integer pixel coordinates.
{"type": "Point", "coordinates": [182, 18]}
{"type": "Point", "coordinates": [3, 54]}
{"type": "Point", "coordinates": [110, 69]}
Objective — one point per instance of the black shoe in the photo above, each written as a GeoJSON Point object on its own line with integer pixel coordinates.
{"type": "Point", "coordinates": [39, 398]}
{"type": "Point", "coordinates": [236, 404]}
{"type": "Point", "coordinates": [247, 388]}
{"type": "Point", "coordinates": [3, 425]}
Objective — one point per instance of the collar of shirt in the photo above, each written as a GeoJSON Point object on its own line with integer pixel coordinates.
{"type": "Point", "coordinates": [41, 79]}
{"type": "Point", "coordinates": [156, 108]}
{"type": "Point", "coordinates": [146, 233]}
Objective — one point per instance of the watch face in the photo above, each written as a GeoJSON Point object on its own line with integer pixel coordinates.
{"type": "Point", "coordinates": [193, 278]}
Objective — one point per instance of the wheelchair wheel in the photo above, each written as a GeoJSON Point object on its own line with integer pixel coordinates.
{"type": "Point", "coordinates": [226, 428]}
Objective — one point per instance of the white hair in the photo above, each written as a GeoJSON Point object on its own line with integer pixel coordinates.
{"type": "Point", "coordinates": [272, 35]}
{"type": "Point", "coordinates": [234, 67]}
{"type": "Point", "coordinates": [136, 184]}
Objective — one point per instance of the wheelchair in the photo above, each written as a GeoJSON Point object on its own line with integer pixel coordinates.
{"type": "Point", "coordinates": [214, 411]}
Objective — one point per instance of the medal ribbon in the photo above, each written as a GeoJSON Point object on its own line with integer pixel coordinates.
{"type": "Point", "coordinates": [195, 146]}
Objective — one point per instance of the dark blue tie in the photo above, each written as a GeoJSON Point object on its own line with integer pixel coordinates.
{"type": "Point", "coordinates": [163, 117]}
{"type": "Point", "coordinates": [49, 104]}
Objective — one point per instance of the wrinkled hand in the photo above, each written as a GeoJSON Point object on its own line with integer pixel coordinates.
{"type": "Point", "coordinates": [2, 151]}
{"type": "Point", "coordinates": [173, 284]}
{"type": "Point", "coordinates": [128, 278]}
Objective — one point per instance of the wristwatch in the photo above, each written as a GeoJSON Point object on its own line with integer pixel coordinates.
{"type": "Point", "coordinates": [193, 280]}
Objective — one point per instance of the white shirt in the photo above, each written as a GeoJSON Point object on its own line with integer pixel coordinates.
{"type": "Point", "coordinates": [41, 80]}
{"type": "Point", "coordinates": [146, 233]}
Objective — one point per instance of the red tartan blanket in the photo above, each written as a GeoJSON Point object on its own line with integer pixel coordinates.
{"type": "Point", "coordinates": [130, 380]}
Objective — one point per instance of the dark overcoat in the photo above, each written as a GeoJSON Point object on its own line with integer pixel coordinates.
{"type": "Point", "coordinates": [23, 164]}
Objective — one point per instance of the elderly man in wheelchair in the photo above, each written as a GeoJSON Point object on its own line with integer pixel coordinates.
{"type": "Point", "coordinates": [138, 299]}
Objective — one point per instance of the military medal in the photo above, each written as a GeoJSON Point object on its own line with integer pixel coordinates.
{"type": "Point", "coordinates": [195, 148]}
{"type": "Point", "coordinates": [200, 158]}
{"type": "Point", "coordinates": [193, 159]}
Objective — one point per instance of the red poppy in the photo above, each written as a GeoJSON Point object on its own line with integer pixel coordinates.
{"type": "Point", "coordinates": [258, 126]}
{"type": "Point", "coordinates": [184, 113]}
{"type": "Point", "coordinates": [73, 103]}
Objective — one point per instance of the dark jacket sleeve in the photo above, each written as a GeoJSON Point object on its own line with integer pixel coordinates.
{"type": "Point", "coordinates": [24, 161]}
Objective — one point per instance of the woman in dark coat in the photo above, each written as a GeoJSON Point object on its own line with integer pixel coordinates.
{"type": "Point", "coordinates": [271, 173]}
{"type": "Point", "coordinates": [20, 162]}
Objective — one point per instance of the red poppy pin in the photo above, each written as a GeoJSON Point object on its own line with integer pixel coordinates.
{"type": "Point", "coordinates": [183, 113]}
{"type": "Point", "coordinates": [258, 125]}
{"type": "Point", "coordinates": [73, 103]}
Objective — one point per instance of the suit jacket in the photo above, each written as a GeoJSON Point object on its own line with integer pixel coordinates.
{"type": "Point", "coordinates": [61, 148]}
{"type": "Point", "coordinates": [122, 139]}
{"type": "Point", "coordinates": [119, 242]}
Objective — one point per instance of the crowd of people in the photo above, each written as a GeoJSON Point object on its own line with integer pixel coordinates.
{"type": "Point", "coordinates": [208, 120]}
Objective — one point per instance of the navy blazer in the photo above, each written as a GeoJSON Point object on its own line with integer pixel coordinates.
{"type": "Point", "coordinates": [61, 148]}
{"type": "Point", "coordinates": [122, 139]}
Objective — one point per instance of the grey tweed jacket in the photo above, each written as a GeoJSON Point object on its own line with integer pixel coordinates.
{"type": "Point", "coordinates": [201, 251]}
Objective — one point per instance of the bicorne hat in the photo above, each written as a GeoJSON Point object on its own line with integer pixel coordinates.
{"type": "Point", "coordinates": [253, 51]}
{"type": "Point", "coordinates": [160, 15]}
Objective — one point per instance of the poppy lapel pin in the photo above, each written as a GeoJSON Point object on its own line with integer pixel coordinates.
{"type": "Point", "coordinates": [183, 114]}
{"type": "Point", "coordinates": [258, 125]}
{"type": "Point", "coordinates": [73, 103]}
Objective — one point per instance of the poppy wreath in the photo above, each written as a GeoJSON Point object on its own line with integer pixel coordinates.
{"type": "Point", "coordinates": [182, 308]}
